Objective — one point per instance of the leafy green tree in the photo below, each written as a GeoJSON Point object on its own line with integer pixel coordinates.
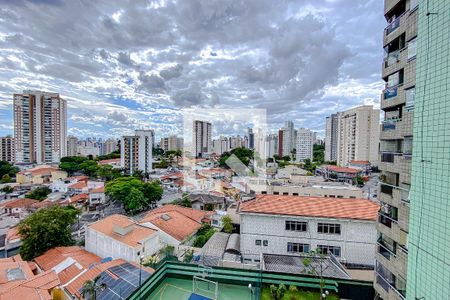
{"type": "Point", "coordinates": [359, 180]}
{"type": "Point", "coordinates": [243, 154]}
{"type": "Point", "coordinates": [153, 191]}
{"type": "Point", "coordinates": [45, 229]}
{"type": "Point", "coordinates": [158, 151]}
{"type": "Point", "coordinates": [7, 169]}
{"type": "Point", "coordinates": [90, 288]}
{"type": "Point", "coordinates": [6, 178]}
{"type": "Point", "coordinates": [39, 193]}
{"type": "Point", "coordinates": [227, 224]}
{"type": "Point", "coordinates": [203, 235]}
{"type": "Point", "coordinates": [71, 164]}
{"type": "Point", "coordinates": [163, 164]}
{"type": "Point", "coordinates": [89, 167]}
{"type": "Point", "coordinates": [286, 158]}
{"type": "Point", "coordinates": [184, 201]}
{"type": "Point", "coordinates": [8, 189]}
{"type": "Point", "coordinates": [112, 155]}
{"type": "Point", "coordinates": [319, 153]}
{"type": "Point", "coordinates": [276, 157]}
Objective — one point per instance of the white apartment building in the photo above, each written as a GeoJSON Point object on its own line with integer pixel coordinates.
{"type": "Point", "coordinates": [271, 145]}
{"type": "Point", "coordinates": [136, 151]}
{"type": "Point", "coordinates": [110, 145]}
{"type": "Point", "coordinates": [331, 137]}
{"type": "Point", "coordinates": [221, 145]}
{"type": "Point", "coordinates": [7, 149]}
{"type": "Point", "coordinates": [287, 137]}
{"type": "Point", "coordinates": [305, 144]}
{"type": "Point", "coordinates": [118, 236]}
{"type": "Point", "coordinates": [288, 225]}
{"type": "Point", "coordinates": [171, 143]}
{"type": "Point", "coordinates": [201, 138]}
{"type": "Point", "coordinates": [40, 127]}
{"type": "Point", "coordinates": [236, 142]}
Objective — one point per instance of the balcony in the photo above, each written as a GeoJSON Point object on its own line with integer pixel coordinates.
{"type": "Point", "coordinates": [386, 220]}
{"type": "Point", "coordinates": [395, 28]}
{"type": "Point", "coordinates": [388, 286]}
{"type": "Point", "coordinates": [386, 189]}
{"type": "Point", "coordinates": [390, 92]}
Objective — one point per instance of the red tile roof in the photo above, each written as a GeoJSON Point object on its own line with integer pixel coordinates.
{"type": "Point", "coordinates": [39, 171]}
{"type": "Point", "coordinates": [109, 161]}
{"type": "Point", "coordinates": [339, 208]}
{"type": "Point", "coordinates": [76, 198]}
{"type": "Point", "coordinates": [98, 190]}
{"type": "Point", "coordinates": [19, 203]}
{"type": "Point", "coordinates": [133, 238]}
{"type": "Point", "coordinates": [78, 185]}
{"type": "Point", "coordinates": [12, 234]}
{"type": "Point", "coordinates": [360, 162]}
{"type": "Point", "coordinates": [196, 215]}
{"type": "Point", "coordinates": [342, 169]}
{"type": "Point", "coordinates": [54, 256]}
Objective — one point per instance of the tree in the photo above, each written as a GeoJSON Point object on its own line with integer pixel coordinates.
{"type": "Point", "coordinates": [359, 180]}
{"type": "Point", "coordinates": [134, 194]}
{"type": "Point", "coordinates": [184, 201]}
{"type": "Point", "coordinates": [318, 153]}
{"type": "Point", "coordinates": [314, 264]}
{"type": "Point", "coordinates": [45, 229]}
{"type": "Point", "coordinates": [203, 235]}
{"type": "Point", "coordinates": [90, 287]}
{"type": "Point", "coordinates": [39, 193]}
{"type": "Point", "coordinates": [89, 167]}
{"type": "Point", "coordinates": [8, 189]}
{"type": "Point", "coordinates": [276, 157]}
{"type": "Point", "coordinates": [6, 178]}
{"type": "Point", "coordinates": [286, 158]}
{"type": "Point", "coordinates": [158, 151]}
{"type": "Point", "coordinates": [243, 154]}
{"type": "Point", "coordinates": [227, 224]}
{"type": "Point", "coordinates": [7, 169]}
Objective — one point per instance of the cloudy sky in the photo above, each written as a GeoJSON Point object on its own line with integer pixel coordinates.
{"type": "Point", "coordinates": [124, 65]}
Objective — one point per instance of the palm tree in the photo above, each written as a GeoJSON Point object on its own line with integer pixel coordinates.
{"type": "Point", "coordinates": [90, 288]}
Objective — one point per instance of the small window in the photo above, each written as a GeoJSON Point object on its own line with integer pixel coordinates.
{"type": "Point", "coordinates": [410, 98]}
{"type": "Point", "coordinates": [263, 192]}
{"type": "Point", "coordinates": [276, 193]}
{"type": "Point", "coordinates": [294, 194]}
{"type": "Point", "coordinates": [296, 226]}
{"type": "Point", "coordinates": [412, 48]}
{"type": "Point", "coordinates": [325, 249]}
{"type": "Point", "coordinates": [265, 243]}
{"type": "Point", "coordinates": [258, 242]}
{"type": "Point", "coordinates": [297, 248]}
{"type": "Point", "coordinates": [329, 228]}
{"type": "Point", "coordinates": [285, 193]}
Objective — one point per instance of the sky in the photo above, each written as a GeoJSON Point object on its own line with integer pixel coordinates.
{"type": "Point", "coordinates": [125, 65]}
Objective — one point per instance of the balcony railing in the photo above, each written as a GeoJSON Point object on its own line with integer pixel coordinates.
{"type": "Point", "coordinates": [386, 220]}
{"type": "Point", "coordinates": [390, 92]}
{"type": "Point", "coordinates": [392, 26]}
{"type": "Point", "coordinates": [392, 58]}
{"type": "Point", "coordinates": [385, 251]}
{"type": "Point", "coordinates": [390, 124]}
{"type": "Point", "coordinates": [388, 157]}
{"type": "Point", "coordinates": [386, 189]}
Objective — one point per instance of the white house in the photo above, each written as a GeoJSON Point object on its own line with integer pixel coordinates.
{"type": "Point", "coordinates": [276, 224]}
{"type": "Point", "coordinates": [97, 196]}
{"type": "Point", "coordinates": [118, 236]}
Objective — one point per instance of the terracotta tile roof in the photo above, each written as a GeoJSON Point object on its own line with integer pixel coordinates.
{"type": "Point", "coordinates": [78, 178]}
{"type": "Point", "coordinates": [54, 256]}
{"type": "Point", "coordinates": [36, 288]}
{"type": "Point", "coordinates": [12, 234]}
{"type": "Point", "coordinates": [340, 208]}
{"type": "Point", "coordinates": [78, 185]}
{"type": "Point", "coordinates": [98, 190]}
{"type": "Point", "coordinates": [75, 286]}
{"type": "Point", "coordinates": [196, 215]}
{"type": "Point", "coordinates": [133, 238]}
{"type": "Point", "coordinates": [174, 223]}
{"type": "Point", "coordinates": [76, 198]}
{"type": "Point", "coordinates": [172, 176]}
{"type": "Point", "coordinates": [43, 204]}
{"type": "Point", "coordinates": [39, 171]}
{"type": "Point", "coordinates": [19, 203]}
{"type": "Point", "coordinates": [109, 161]}
{"type": "Point", "coordinates": [338, 169]}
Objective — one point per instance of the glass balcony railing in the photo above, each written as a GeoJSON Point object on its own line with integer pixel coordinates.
{"type": "Point", "coordinates": [392, 26]}
{"type": "Point", "coordinates": [388, 125]}
{"type": "Point", "coordinates": [392, 58]}
{"type": "Point", "coordinates": [386, 220]}
{"type": "Point", "coordinates": [385, 251]}
{"type": "Point", "coordinates": [390, 92]}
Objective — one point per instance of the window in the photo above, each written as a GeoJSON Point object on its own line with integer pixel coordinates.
{"type": "Point", "coordinates": [265, 243]}
{"type": "Point", "coordinates": [329, 228]}
{"type": "Point", "coordinates": [296, 226]}
{"type": "Point", "coordinates": [412, 48]}
{"type": "Point", "coordinates": [285, 193]}
{"type": "Point", "coordinates": [407, 145]}
{"type": "Point", "coordinates": [258, 242]}
{"type": "Point", "coordinates": [324, 249]}
{"type": "Point", "coordinates": [410, 97]}
{"type": "Point", "coordinates": [297, 248]}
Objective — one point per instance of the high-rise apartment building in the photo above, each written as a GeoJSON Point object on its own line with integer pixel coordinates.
{"type": "Point", "coordinates": [305, 144]}
{"type": "Point", "coordinates": [287, 137]}
{"type": "Point", "coordinates": [221, 145]}
{"type": "Point", "coordinates": [171, 143]}
{"type": "Point", "coordinates": [397, 104]}
{"type": "Point", "coordinates": [429, 221]}
{"type": "Point", "coordinates": [7, 149]}
{"type": "Point", "coordinates": [331, 137]}
{"type": "Point", "coordinates": [201, 138]}
{"type": "Point", "coordinates": [136, 151]}
{"type": "Point", "coordinates": [72, 144]}
{"type": "Point", "coordinates": [110, 145]}
{"type": "Point", "coordinates": [40, 127]}
{"type": "Point", "coordinates": [251, 138]}
{"type": "Point", "coordinates": [271, 145]}
{"type": "Point", "coordinates": [358, 135]}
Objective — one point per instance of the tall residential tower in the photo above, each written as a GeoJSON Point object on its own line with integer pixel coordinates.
{"type": "Point", "coordinates": [40, 127]}
{"type": "Point", "coordinates": [136, 151]}
{"type": "Point", "coordinates": [201, 138]}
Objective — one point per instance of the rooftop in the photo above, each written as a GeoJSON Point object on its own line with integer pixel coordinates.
{"type": "Point", "coordinates": [123, 229]}
{"type": "Point", "coordinates": [55, 256]}
{"type": "Point", "coordinates": [19, 203]}
{"type": "Point", "coordinates": [339, 208]}
{"type": "Point", "coordinates": [338, 169]}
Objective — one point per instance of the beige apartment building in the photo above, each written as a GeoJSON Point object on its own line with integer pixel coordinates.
{"type": "Point", "coordinates": [136, 151]}
{"type": "Point", "coordinates": [40, 127]}
{"type": "Point", "coordinates": [7, 149]}
{"type": "Point", "coordinates": [397, 104]}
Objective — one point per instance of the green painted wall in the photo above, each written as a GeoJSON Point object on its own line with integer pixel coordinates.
{"type": "Point", "coordinates": [429, 231]}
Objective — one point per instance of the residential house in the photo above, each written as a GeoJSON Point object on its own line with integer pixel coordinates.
{"type": "Point", "coordinates": [286, 225]}
{"type": "Point", "coordinates": [62, 185]}
{"type": "Point", "coordinates": [18, 207]}
{"type": "Point", "coordinates": [207, 201]}
{"type": "Point", "coordinates": [97, 196]}
{"type": "Point", "coordinates": [336, 173]}
{"type": "Point", "coordinates": [40, 175]}
{"type": "Point", "coordinates": [176, 225]}
{"type": "Point", "coordinates": [118, 236]}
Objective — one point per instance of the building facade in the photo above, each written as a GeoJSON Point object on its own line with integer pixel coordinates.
{"type": "Point", "coordinates": [202, 138]}
{"type": "Point", "coordinates": [288, 225]}
{"type": "Point", "coordinates": [271, 145]}
{"type": "Point", "coordinates": [331, 137]}
{"type": "Point", "coordinates": [136, 151]}
{"type": "Point", "coordinates": [110, 145]}
{"type": "Point", "coordinates": [287, 137]}
{"type": "Point", "coordinates": [171, 143]}
{"type": "Point", "coordinates": [305, 144]}
{"type": "Point", "coordinates": [429, 231]}
{"type": "Point", "coordinates": [358, 135]}
{"type": "Point", "coordinates": [40, 127]}
{"type": "Point", "coordinates": [397, 105]}
{"type": "Point", "coordinates": [7, 149]}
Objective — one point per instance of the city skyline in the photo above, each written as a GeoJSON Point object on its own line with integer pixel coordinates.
{"type": "Point", "coordinates": [144, 83]}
